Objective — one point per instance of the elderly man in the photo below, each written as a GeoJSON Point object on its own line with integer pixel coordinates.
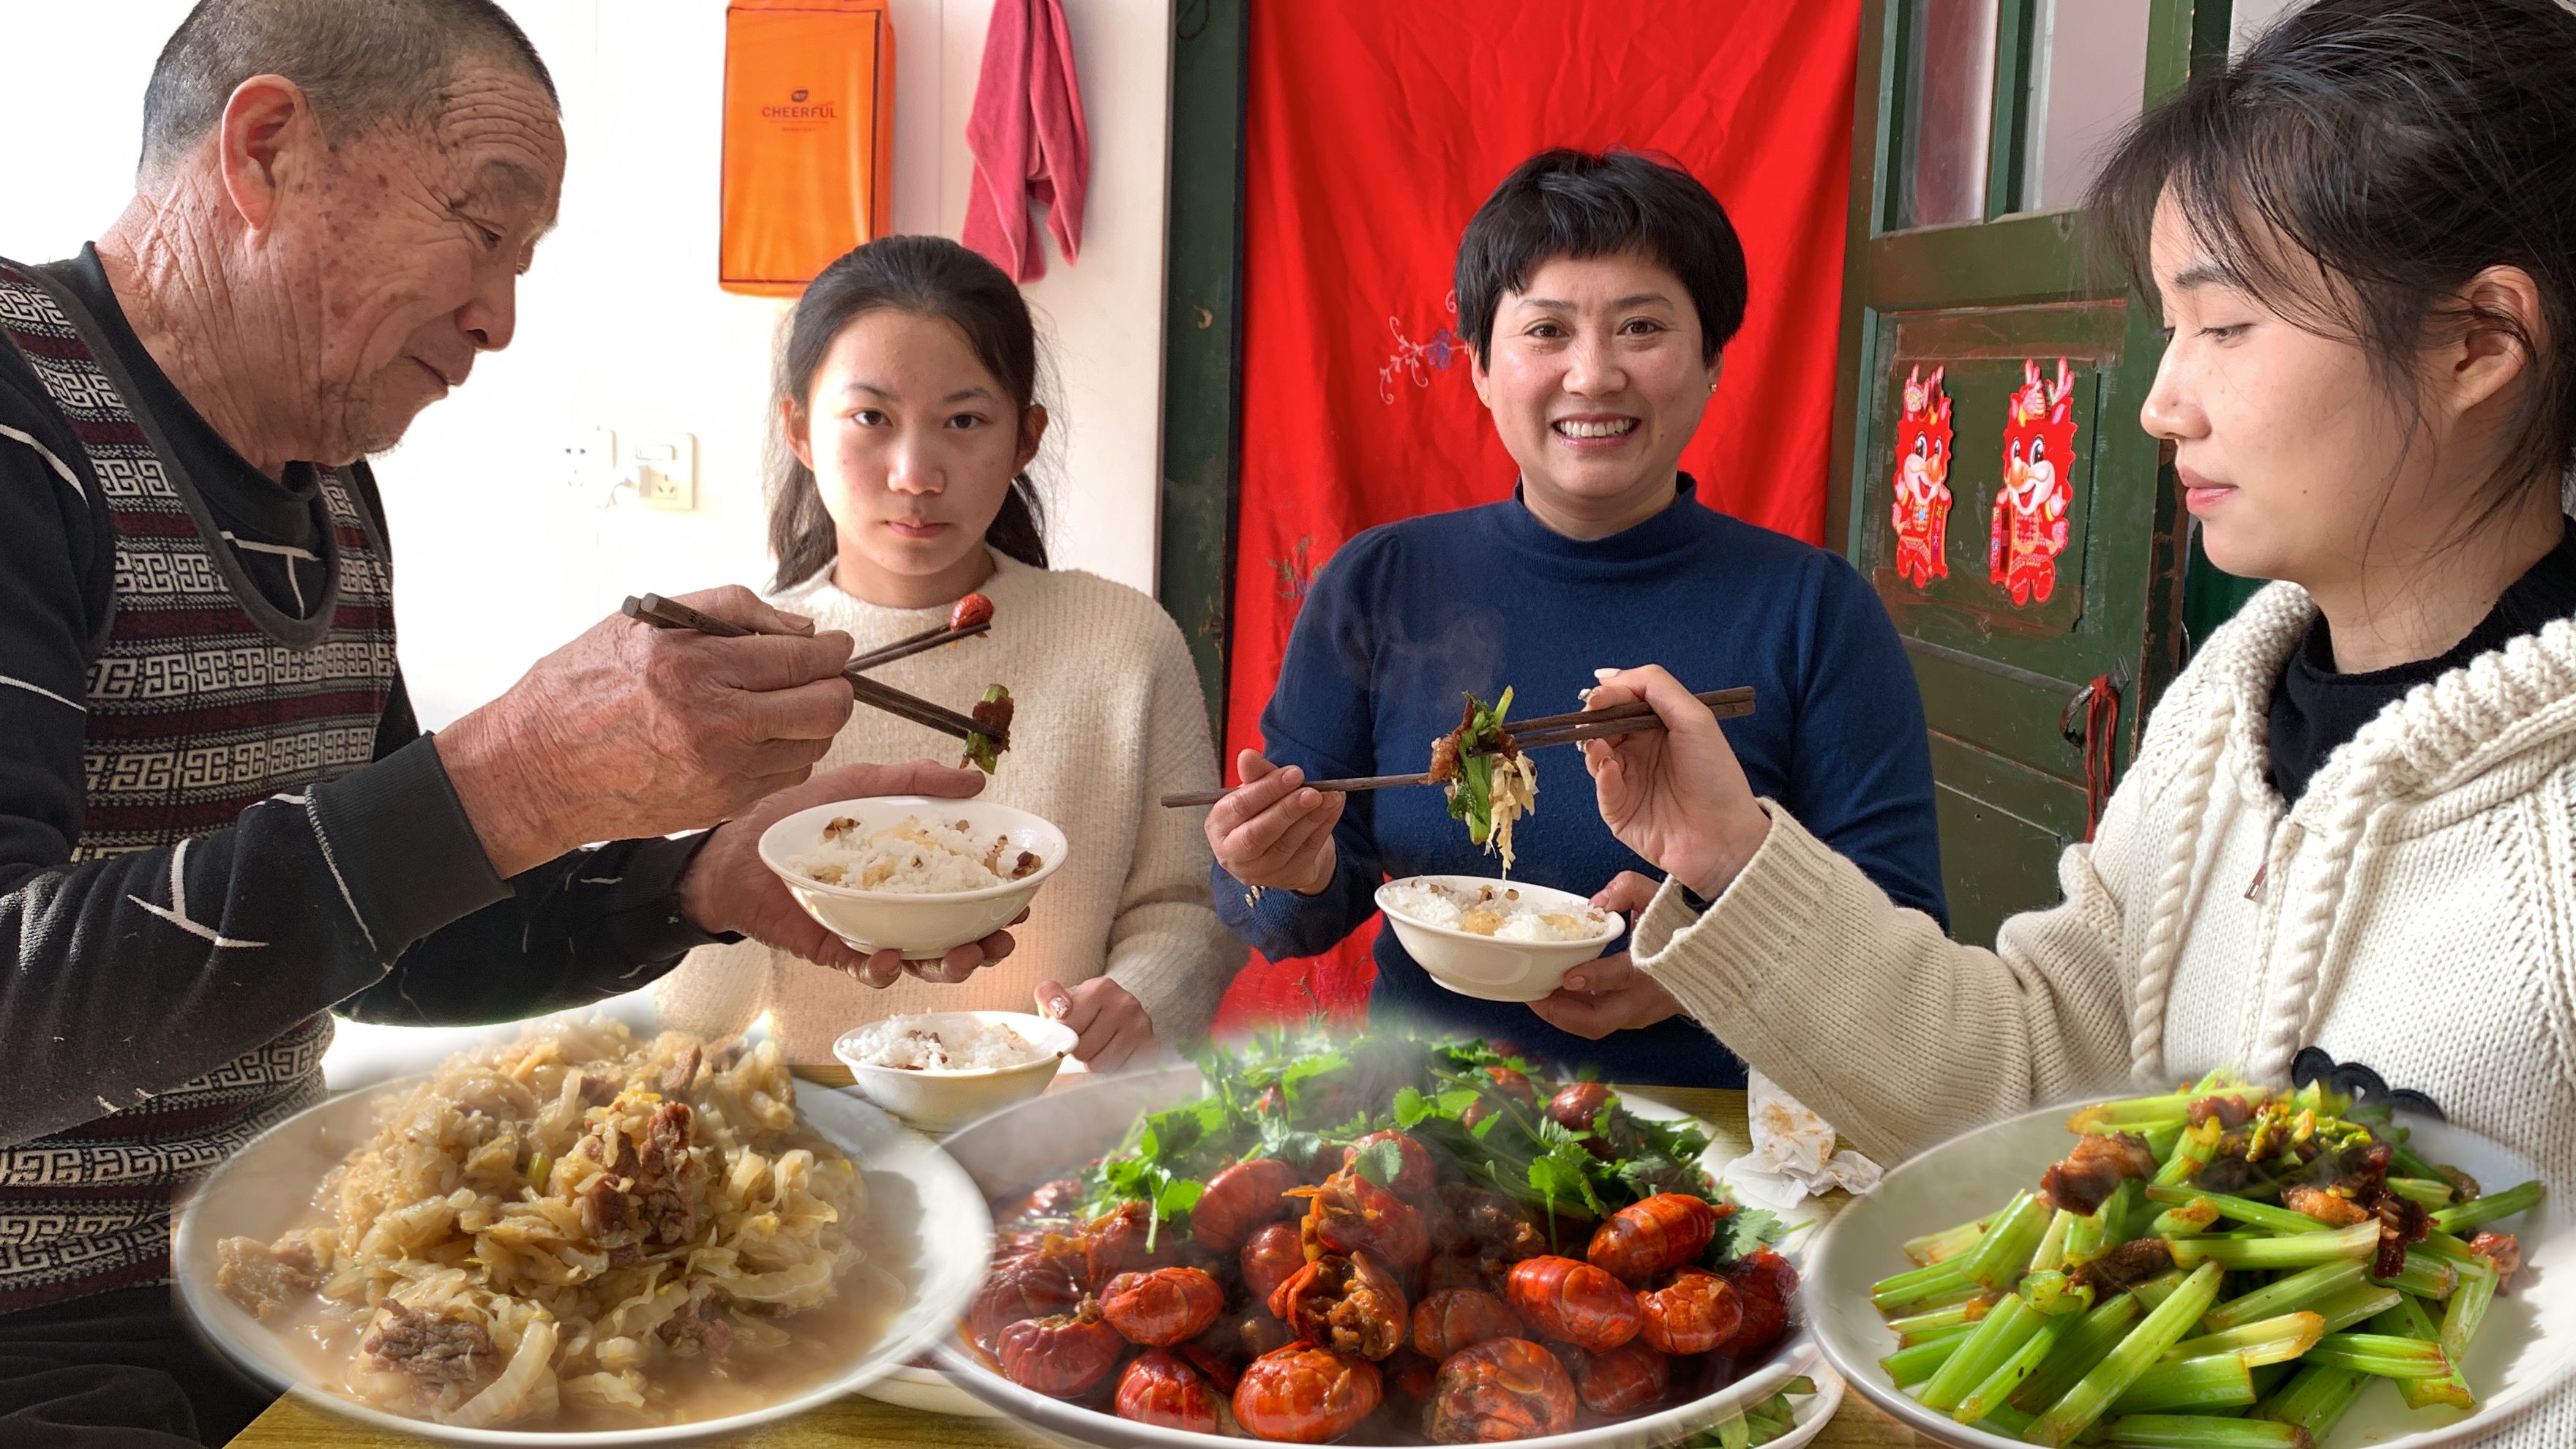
{"type": "Point", "coordinates": [219, 822]}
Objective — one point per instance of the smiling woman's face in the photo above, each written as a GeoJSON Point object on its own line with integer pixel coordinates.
{"type": "Point", "coordinates": [1596, 379]}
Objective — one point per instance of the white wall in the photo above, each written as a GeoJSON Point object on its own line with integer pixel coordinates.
{"type": "Point", "coordinates": [621, 323]}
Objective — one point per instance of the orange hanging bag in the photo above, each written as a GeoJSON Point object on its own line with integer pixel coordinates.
{"type": "Point", "coordinates": [808, 138]}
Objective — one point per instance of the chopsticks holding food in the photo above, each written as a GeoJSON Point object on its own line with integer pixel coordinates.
{"type": "Point", "coordinates": [664, 613]}
{"type": "Point", "coordinates": [1554, 729]}
{"type": "Point", "coordinates": [973, 616]}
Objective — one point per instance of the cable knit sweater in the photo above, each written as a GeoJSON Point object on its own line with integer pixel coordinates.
{"type": "Point", "coordinates": [2416, 912]}
{"type": "Point", "coordinates": [1110, 717]}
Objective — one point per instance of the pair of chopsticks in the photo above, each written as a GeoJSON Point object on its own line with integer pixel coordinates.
{"type": "Point", "coordinates": [664, 613]}
{"type": "Point", "coordinates": [921, 643]}
{"type": "Point", "coordinates": [1553, 729]}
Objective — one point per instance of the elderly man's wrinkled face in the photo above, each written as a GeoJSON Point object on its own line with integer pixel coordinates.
{"type": "Point", "coordinates": [408, 263]}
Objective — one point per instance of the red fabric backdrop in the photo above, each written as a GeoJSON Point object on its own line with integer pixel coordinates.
{"type": "Point", "coordinates": [1373, 131]}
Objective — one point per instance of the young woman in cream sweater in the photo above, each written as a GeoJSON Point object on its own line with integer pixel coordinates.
{"type": "Point", "coordinates": [2347, 845]}
{"type": "Point", "coordinates": [907, 399]}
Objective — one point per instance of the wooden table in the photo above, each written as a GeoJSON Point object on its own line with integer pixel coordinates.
{"type": "Point", "coordinates": [857, 1420]}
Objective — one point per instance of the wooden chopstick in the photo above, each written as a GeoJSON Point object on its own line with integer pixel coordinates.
{"type": "Point", "coordinates": [1724, 703]}
{"type": "Point", "coordinates": [917, 644]}
{"type": "Point", "coordinates": [1556, 729]}
{"type": "Point", "coordinates": [664, 613]}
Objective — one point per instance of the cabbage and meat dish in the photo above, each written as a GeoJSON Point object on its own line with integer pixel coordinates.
{"type": "Point", "coordinates": [579, 1230]}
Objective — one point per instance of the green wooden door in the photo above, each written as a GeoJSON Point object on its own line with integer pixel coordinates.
{"type": "Point", "coordinates": [1973, 122]}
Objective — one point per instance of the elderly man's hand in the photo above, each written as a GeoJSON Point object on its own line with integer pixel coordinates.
{"type": "Point", "coordinates": [727, 888]}
{"type": "Point", "coordinates": [631, 730]}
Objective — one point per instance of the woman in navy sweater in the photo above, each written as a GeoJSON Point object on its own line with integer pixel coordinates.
{"type": "Point", "coordinates": [1595, 292]}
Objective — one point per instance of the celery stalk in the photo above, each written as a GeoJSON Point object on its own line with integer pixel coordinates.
{"type": "Point", "coordinates": [2296, 1251]}
{"type": "Point", "coordinates": [2479, 1211]}
{"type": "Point", "coordinates": [2158, 1331]}
{"type": "Point", "coordinates": [1910, 1366]}
{"type": "Point", "coordinates": [2217, 1381]}
{"type": "Point", "coordinates": [2287, 1294]}
{"type": "Point", "coordinates": [2467, 1309]}
{"type": "Point", "coordinates": [2270, 1340]}
{"type": "Point", "coordinates": [1998, 1338]}
{"type": "Point", "coordinates": [2407, 1319]}
{"type": "Point", "coordinates": [2356, 1304]}
{"type": "Point", "coordinates": [2316, 1398]}
{"type": "Point", "coordinates": [2201, 1431]}
{"type": "Point", "coordinates": [2385, 1354]}
{"type": "Point", "coordinates": [2004, 1253]}
{"type": "Point", "coordinates": [2243, 1210]}
{"type": "Point", "coordinates": [2014, 1371]}
{"type": "Point", "coordinates": [2085, 1345]}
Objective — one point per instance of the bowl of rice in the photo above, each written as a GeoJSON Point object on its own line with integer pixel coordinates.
{"type": "Point", "coordinates": [1496, 940]}
{"type": "Point", "coordinates": [911, 873]}
{"type": "Point", "coordinates": [939, 1070]}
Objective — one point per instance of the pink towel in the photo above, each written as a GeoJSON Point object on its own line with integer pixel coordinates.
{"type": "Point", "coordinates": [1028, 138]}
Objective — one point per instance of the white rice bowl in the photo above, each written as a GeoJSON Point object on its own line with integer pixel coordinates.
{"type": "Point", "coordinates": [913, 856]}
{"type": "Point", "coordinates": [1500, 910]}
{"type": "Point", "coordinates": [942, 1043]}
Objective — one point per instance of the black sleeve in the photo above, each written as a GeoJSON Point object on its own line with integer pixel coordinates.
{"type": "Point", "coordinates": [126, 976]}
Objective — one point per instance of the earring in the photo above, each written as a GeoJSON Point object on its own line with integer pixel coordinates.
{"type": "Point", "coordinates": [1712, 387]}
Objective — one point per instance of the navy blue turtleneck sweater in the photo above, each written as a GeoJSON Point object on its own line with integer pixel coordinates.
{"type": "Point", "coordinates": [1407, 617]}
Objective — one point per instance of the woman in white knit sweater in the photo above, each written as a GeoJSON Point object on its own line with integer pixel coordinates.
{"type": "Point", "coordinates": [907, 402]}
{"type": "Point", "coordinates": [2363, 237]}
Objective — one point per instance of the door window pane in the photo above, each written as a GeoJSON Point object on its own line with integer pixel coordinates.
{"type": "Point", "coordinates": [2088, 78]}
{"type": "Point", "coordinates": [1949, 112]}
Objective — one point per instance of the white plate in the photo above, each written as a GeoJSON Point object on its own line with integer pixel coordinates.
{"type": "Point", "coordinates": [2523, 1353]}
{"type": "Point", "coordinates": [1014, 1148]}
{"type": "Point", "coordinates": [931, 1223]}
{"type": "Point", "coordinates": [910, 1386]}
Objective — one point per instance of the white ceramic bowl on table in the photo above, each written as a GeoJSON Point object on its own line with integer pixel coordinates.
{"type": "Point", "coordinates": [930, 1227]}
{"type": "Point", "coordinates": [1493, 968]}
{"type": "Point", "coordinates": [2525, 1351]}
{"type": "Point", "coordinates": [943, 1100]}
{"type": "Point", "coordinates": [1010, 1152]}
{"type": "Point", "coordinates": [923, 926]}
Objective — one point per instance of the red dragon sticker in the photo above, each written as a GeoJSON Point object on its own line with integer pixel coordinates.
{"type": "Point", "coordinates": [2030, 507]}
{"type": "Point", "coordinates": [1922, 510]}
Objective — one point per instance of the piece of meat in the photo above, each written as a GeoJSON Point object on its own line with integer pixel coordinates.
{"type": "Point", "coordinates": [1444, 759]}
{"type": "Point", "coordinates": [646, 1199]}
{"type": "Point", "coordinates": [838, 826]}
{"type": "Point", "coordinates": [2095, 1169]}
{"type": "Point", "coordinates": [2323, 1204]}
{"type": "Point", "coordinates": [2402, 1222]}
{"type": "Point", "coordinates": [2127, 1264]}
{"type": "Point", "coordinates": [2227, 1112]}
{"type": "Point", "coordinates": [596, 1090]}
{"type": "Point", "coordinates": [699, 1327]}
{"type": "Point", "coordinates": [428, 1346]}
{"type": "Point", "coordinates": [682, 1071]}
{"type": "Point", "coordinates": [994, 715]}
{"type": "Point", "coordinates": [2502, 1249]}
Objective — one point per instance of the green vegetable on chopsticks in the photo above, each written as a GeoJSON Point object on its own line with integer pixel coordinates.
{"type": "Point", "coordinates": [2224, 1267]}
{"type": "Point", "coordinates": [1491, 783]}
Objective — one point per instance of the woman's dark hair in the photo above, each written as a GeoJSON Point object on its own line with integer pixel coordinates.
{"type": "Point", "coordinates": [2359, 165]}
{"type": "Point", "coordinates": [928, 276]}
{"type": "Point", "coordinates": [1579, 204]}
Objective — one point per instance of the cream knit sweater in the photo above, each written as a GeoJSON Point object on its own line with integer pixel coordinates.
{"type": "Point", "coordinates": [1110, 716]}
{"type": "Point", "coordinates": [2415, 912]}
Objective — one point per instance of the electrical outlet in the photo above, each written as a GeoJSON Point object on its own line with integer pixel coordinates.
{"type": "Point", "coordinates": [665, 467]}
{"type": "Point", "coordinates": [589, 458]}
